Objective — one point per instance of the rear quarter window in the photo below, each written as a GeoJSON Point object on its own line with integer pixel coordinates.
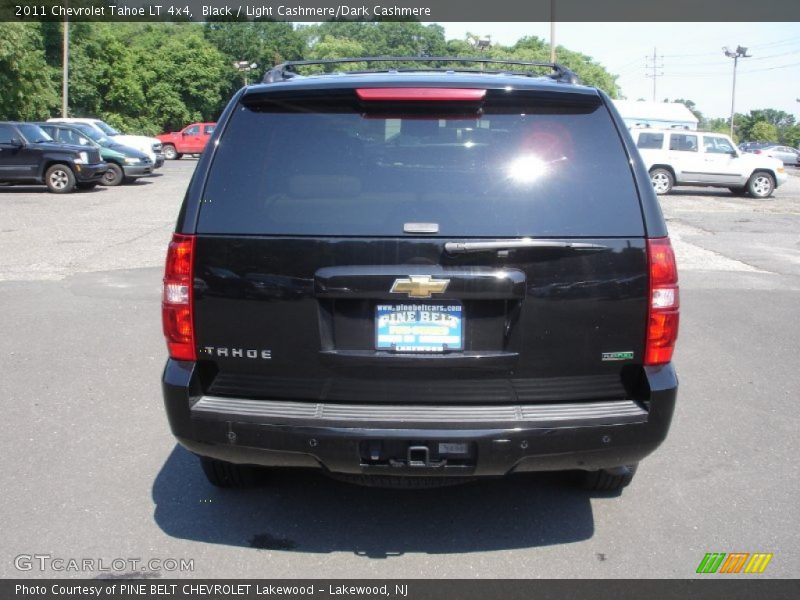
{"type": "Point", "coordinates": [650, 141]}
{"type": "Point", "coordinates": [523, 167]}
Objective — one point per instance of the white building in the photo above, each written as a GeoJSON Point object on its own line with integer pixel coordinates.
{"type": "Point", "coordinates": [656, 114]}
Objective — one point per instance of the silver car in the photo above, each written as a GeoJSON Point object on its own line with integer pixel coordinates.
{"type": "Point", "coordinates": [786, 154]}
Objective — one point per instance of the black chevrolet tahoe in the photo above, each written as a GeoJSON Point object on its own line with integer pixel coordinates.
{"type": "Point", "coordinates": [414, 276]}
{"type": "Point", "coordinates": [28, 155]}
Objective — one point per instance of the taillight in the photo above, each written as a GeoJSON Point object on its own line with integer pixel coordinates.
{"type": "Point", "coordinates": [756, 151]}
{"type": "Point", "coordinates": [421, 94]}
{"type": "Point", "coordinates": [662, 321]}
{"type": "Point", "coordinates": [177, 301]}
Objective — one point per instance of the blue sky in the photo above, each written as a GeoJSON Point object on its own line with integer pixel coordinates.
{"type": "Point", "coordinates": [694, 65]}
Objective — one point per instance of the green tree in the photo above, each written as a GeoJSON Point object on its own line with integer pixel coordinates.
{"type": "Point", "coordinates": [763, 131]}
{"type": "Point", "coordinates": [717, 125]}
{"type": "Point", "coordinates": [381, 38]}
{"type": "Point", "coordinates": [536, 49]}
{"type": "Point", "coordinates": [790, 136]}
{"type": "Point", "coordinates": [334, 47]}
{"type": "Point", "coordinates": [778, 118]}
{"type": "Point", "coordinates": [782, 123]}
{"type": "Point", "coordinates": [28, 89]}
{"type": "Point", "coordinates": [263, 42]}
{"type": "Point", "coordinates": [182, 75]}
{"type": "Point", "coordinates": [104, 74]}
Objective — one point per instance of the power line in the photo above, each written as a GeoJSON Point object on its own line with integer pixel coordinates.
{"type": "Point", "coordinates": [715, 74]}
{"type": "Point", "coordinates": [771, 68]}
{"type": "Point", "coordinates": [720, 64]}
{"type": "Point", "coordinates": [687, 55]}
{"type": "Point", "coordinates": [778, 42]}
{"type": "Point", "coordinates": [782, 42]}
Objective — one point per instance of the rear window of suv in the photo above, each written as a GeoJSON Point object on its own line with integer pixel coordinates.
{"type": "Point", "coordinates": [539, 165]}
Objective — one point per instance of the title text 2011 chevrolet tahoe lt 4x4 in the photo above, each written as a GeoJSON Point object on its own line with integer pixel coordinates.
{"type": "Point", "coordinates": [405, 277]}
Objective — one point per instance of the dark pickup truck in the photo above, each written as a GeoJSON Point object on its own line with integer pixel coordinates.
{"type": "Point", "coordinates": [28, 155]}
{"type": "Point", "coordinates": [406, 278]}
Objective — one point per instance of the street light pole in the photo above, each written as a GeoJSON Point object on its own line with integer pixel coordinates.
{"type": "Point", "coordinates": [65, 70]}
{"type": "Point", "coordinates": [552, 31]}
{"type": "Point", "coordinates": [735, 55]}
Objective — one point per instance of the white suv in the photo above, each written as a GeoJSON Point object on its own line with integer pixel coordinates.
{"type": "Point", "coordinates": [683, 157]}
{"type": "Point", "coordinates": [149, 145]}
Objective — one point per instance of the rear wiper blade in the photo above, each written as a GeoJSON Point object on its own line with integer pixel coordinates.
{"type": "Point", "coordinates": [466, 247]}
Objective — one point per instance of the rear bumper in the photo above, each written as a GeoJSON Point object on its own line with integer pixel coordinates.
{"type": "Point", "coordinates": [90, 173]}
{"type": "Point", "coordinates": [375, 439]}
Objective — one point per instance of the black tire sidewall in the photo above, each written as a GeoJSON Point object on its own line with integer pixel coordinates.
{"type": "Point", "coordinates": [119, 175]}
{"type": "Point", "coordinates": [168, 150]}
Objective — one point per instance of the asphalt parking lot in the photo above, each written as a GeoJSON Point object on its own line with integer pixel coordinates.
{"type": "Point", "coordinates": [92, 471]}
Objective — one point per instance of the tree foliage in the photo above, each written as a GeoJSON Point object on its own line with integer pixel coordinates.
{"type": "Point", "coordinates": [28, 88]}
{"type": "Point", "coordinates": [151, 77]}
{"type": "Point", "coordinates": [768, 125]}
{"type": "Point", "coordinates": [763, 131]}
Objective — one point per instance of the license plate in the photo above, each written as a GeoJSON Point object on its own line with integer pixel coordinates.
{"type": "Point", "coordinates": [419, 327]}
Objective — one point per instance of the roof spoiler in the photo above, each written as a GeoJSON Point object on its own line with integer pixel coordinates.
{"type": "Point", "coordinates": [287, 70]}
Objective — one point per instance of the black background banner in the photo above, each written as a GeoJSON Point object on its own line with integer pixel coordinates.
{"type": "Point", "coordinates": [423, 10]}
{"type": "Point", "coordinates": [734, 588]}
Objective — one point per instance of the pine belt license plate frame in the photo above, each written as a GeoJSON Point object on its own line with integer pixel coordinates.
{"type": "Point", "coordinates": [422, 333]}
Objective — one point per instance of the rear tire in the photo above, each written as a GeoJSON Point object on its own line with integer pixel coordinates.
{"type": "Point", "coordinates": [59, 179]}
{"type": "Point", "coordinates": [761, 185]}
{"type": "Point", "coordinates": [662, 181]}
{"type": "Point", "coordinates": [608, 480]}
{"type": "Point", "coordinates": [228, 475]}
{"type": "Point", "coordinates": [114, 175]}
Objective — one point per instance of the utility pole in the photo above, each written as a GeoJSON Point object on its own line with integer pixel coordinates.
{"type": "Point", "coordinates": [735, 55]}
{"type": "Point", "coordinates": [65, 69]}
{"type": "Point", "coordinates": [655, 74]}
{"type": "Point", "coordinates": [552, 31]}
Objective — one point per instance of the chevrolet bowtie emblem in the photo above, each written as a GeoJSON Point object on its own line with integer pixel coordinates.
{"type": "Point", "coordinates": [419, 286]}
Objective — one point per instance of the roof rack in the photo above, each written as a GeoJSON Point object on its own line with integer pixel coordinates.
{"type": "Point", "coordinates": [287, 70]}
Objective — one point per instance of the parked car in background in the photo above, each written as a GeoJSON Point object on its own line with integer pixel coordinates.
{"type": "Point", "coordinates": [705, 159]}
{"type": "Point", "coordinates": [149, 145]}
{"type": "Point", "coordinates": [29, 156]}
{"type": "Point", "coordinates": [786, 154]}
{"type": "Point", "coordinates": [124, 164]}
{"type": "Point", "coordinates": [752, 146]}
{"type": "Point", "coordinates": [192, 139]}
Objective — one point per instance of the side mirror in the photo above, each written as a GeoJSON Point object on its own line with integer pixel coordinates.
{"type": "Point", "coordinates": [17, 142]}
{"type": "Point", "coordinates": [734, 153]}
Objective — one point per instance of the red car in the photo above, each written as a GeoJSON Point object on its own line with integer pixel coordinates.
{"type": "Point", "coordinates": [192, 139]}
